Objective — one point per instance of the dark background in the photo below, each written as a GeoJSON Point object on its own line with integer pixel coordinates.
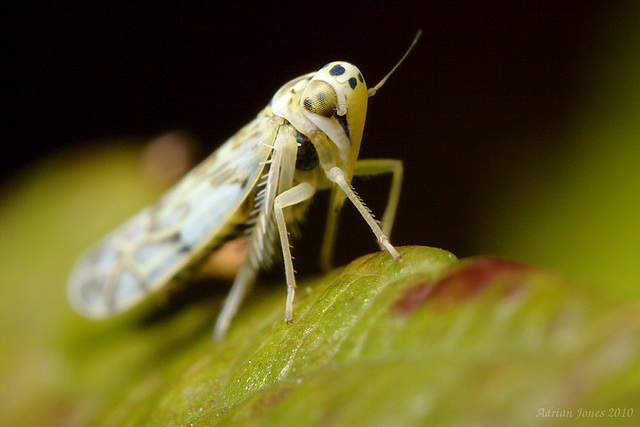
{"type": "Point", "coordinates": [490, 84]}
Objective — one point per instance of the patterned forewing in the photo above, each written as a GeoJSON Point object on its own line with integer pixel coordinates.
{"type": "Point", "coordinates": [147, 252]}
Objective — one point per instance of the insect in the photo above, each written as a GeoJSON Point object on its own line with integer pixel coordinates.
{"type": "Point", "coordinates": [255, 185]}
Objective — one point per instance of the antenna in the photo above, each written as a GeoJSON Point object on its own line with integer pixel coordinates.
{"type": "Point", "coordinates": [372, 91]}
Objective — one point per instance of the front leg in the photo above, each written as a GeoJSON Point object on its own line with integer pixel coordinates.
{"type": "Point", "coordinates": [292, 196]}
{"type": "Point", "coordinates": [338, 176]}
{"type": "Point", "coordinates": [366, 167]}
{"type": "Point", "coordinates": [372, 167]}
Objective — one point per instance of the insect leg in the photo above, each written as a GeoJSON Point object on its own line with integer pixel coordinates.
{"type": "Point", "coordinates": [377, 167]}
{"type": "Point", "coordinates": [294, 195]}
{"type": "Point", "coordinates": [258, 239]}
{"type": "Point", "coordinates": [366, 167]}
{"type": "Point", "coordinates": [245, 278]}
{"type": "Point", "coordinates": [330, 230]}
{"type": "Point", "coordinates": [338, 176]}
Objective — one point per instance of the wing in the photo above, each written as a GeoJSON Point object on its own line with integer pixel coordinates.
{"type": "Point", "coordinates": [149, 250]}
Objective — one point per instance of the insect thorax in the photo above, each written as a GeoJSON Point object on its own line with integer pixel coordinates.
{"type": "Point", "coordinates": [307, 156]}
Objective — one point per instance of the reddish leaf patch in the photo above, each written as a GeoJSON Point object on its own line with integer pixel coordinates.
{"type": "Point", "coordinates": [467, 280]}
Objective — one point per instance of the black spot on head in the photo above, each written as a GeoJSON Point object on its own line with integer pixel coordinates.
{"type": "Point", "coordinates": [353, 82]}
{"type": "Point", "coordinates": [360, 78]}
{"type": "Point", "coordinates": [337, 70]}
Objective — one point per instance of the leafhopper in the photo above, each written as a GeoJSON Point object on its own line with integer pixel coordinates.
{"type": "Point", "coordinates": [256, 185]}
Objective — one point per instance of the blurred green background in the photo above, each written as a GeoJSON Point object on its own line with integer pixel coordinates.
{"type": "Point", "coordinates": [579, 212]}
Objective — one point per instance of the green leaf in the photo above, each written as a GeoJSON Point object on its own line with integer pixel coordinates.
{"type": "Point", "coordinates": [429, 340]}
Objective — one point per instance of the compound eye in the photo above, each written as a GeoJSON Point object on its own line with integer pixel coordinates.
{"type": "Point", "coordinates": [320, 98]}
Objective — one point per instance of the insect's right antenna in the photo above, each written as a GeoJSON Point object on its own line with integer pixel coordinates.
{"type": "Point", "coordinates": [372, 91]}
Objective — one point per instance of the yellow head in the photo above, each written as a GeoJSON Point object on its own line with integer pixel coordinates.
{"type": "Point", "coordinates": [335, 100]}
{"type": "Point", "coordinates": [330, 107]}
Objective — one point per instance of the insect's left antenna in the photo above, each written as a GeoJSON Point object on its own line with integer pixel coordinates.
{"type": "Point", "coordinates": [372, 91]}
